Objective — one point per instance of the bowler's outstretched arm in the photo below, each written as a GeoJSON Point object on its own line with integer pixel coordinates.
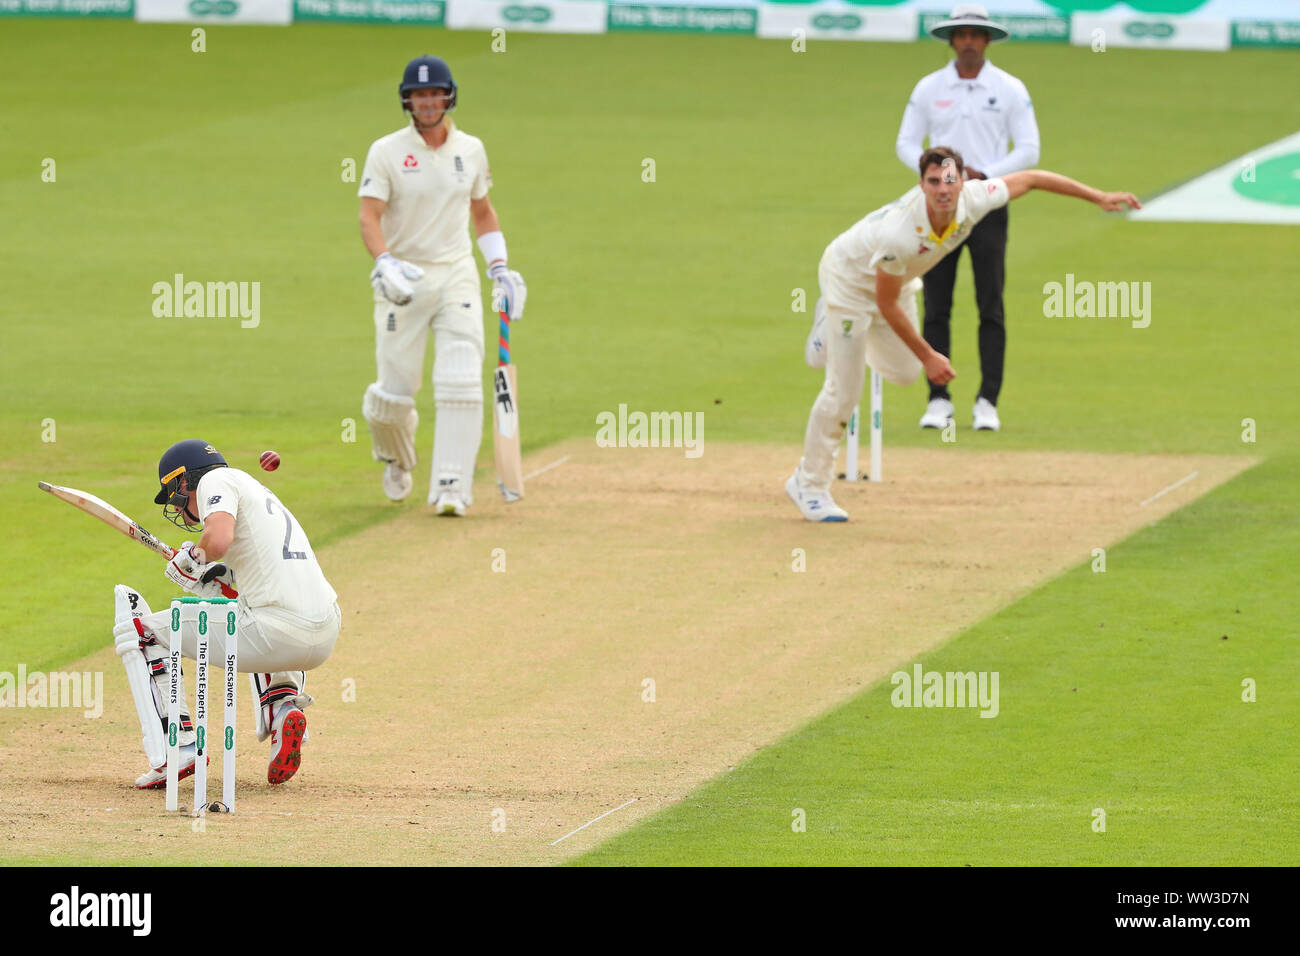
{"type": "Point", "coordinates": [1022, 182]}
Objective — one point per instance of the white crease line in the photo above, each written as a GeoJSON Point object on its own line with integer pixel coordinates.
{"type": "Point", "coordinates": [546, 468]}
{"type": "Point", "coordinates": [601, 817]}
{"type": "Point", "coordinates": [1180, 481]}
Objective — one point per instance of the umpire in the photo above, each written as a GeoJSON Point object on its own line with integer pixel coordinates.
{"type": "Point", "coordinates": [979, 110]}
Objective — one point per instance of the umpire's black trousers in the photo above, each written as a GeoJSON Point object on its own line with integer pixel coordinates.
{"type": "Point", "coordinates": [988, 254]}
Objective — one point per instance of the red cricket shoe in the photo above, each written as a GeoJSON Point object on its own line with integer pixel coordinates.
{"type": "Point", "coordinates": [153, 779]}
{"type": "Point", "coordinates": [287, 735]}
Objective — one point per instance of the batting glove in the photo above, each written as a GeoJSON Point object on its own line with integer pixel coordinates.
{"type": "Point", "coordinates": [392, 278]}
{"type": "Point", "coordinates": [184, 568]}
{"type": "Point", "coordinates": [210, 581]}
{"type": "Point", "coordinates": [508, 291]}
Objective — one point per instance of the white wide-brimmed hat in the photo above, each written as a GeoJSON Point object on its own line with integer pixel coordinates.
{"type": "Point", "coordinates": [968, 15]}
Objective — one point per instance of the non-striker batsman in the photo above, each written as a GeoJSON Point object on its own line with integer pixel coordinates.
{"type": "Point", "coordinates": [422, 187]}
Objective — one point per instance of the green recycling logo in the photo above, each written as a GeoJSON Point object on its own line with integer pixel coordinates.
{"type": "Point", "coordinates": [837, 21]}
{"type": "Point", "coordinates": [1155, 30]}
{"type": "Point", "coordinates": [518, 13]}
{"type": "Point", "coordinates": [213, 8]}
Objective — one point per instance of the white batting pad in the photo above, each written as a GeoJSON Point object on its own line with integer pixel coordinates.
{"type": "Point", "coordinates": [392, 420]}
{"type": "Point", "coordinates": [128, 604]}
{"type": "Point", "coordinates": [458, 429]}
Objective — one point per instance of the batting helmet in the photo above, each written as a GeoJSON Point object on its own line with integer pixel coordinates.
{"type": "Point", "coordinates": [190, 459]}
{"type": "Point", "coordinates": [427, 73]}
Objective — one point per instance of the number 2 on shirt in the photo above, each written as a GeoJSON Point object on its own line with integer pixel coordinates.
{"type": "Point", "coordinates": [288, 530]}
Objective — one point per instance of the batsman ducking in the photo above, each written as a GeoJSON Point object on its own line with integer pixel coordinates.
{"type": "Point", "coordinates": [284, 622]}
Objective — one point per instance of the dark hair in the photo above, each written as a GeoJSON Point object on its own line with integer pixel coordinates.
{"type": "Point", "coordinates": [940, 156]}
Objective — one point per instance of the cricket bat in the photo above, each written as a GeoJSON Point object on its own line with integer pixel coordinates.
{"type": "Point", "coordinates": [101, 509]}
{"type": "Point", "coordinates": [505, 411]}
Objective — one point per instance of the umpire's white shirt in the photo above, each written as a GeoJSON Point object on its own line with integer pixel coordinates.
{"type": "Point", "coordinates": [979, 118]}
{"type": "Point", "coordinates": [428, 192]}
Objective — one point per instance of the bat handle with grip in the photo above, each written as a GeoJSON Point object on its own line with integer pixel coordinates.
{"type": "Point", "coordinates": [503, 340]}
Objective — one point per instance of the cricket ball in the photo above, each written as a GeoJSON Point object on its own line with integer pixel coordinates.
{"type": "Point", "coordinates": [269, 461]}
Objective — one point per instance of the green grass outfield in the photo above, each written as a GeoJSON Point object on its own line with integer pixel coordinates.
{"type": "Point", "coordinates": [676, 295]}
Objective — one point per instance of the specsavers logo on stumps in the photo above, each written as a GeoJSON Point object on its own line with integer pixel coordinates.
{"type": "Point", "coordinates": [214, 11]}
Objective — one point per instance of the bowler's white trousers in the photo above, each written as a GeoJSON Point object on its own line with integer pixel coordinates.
{"type": "Point", "coordinates": [856, 335]}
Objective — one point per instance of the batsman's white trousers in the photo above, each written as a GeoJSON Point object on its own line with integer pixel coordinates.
{"type": "Point", "coordinates": [271, 640]}
{"type": "Point", "coordinates": [856, 335]}
{"type": "Point", "coordinates": [447, 300]}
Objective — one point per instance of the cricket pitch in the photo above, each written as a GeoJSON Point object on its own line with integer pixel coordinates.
{"type": "Point", "coordinates": [637, 625]}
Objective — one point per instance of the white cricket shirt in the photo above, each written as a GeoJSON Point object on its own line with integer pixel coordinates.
{"type": "Point", "coordinates": [428, 192]}
{"type": "Point", "coordinates": [270, 555]}
{"type": "Point", "coordinates": [897, 237]}
{"type": "Point", "coordinates": [978, 117]}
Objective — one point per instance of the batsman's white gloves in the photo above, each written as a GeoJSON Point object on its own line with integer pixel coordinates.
{"type": "Point", "coordinates": [392, 278]}
{"type": "Point", "coordinates": [184, 568]}
{"type": "Point", "coordinates": [508, 291]}
{"type": "Point", "coordinates": [210, 581]}
{"type": "Point", "coordinates": [203, 580]}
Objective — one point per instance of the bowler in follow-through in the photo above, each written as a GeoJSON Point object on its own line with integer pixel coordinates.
{"type": "Point", "coordinates": [869, 276]}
